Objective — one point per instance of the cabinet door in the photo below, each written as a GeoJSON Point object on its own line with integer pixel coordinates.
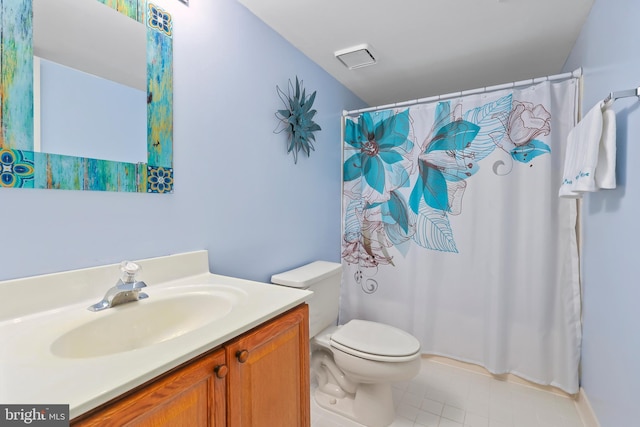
{"type": "Point", "coordinates": [192, 396]}
{"type": "Point", "coordinates": [269, 374]}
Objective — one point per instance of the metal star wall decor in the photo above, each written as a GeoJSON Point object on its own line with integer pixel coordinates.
{"type": "Point", "coordinates": [297, 119]}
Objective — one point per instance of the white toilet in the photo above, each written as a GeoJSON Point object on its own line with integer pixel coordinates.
{"type": "Point", "coordinates": [356, 363]}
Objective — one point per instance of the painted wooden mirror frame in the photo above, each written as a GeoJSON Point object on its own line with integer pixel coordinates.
{"type": "Point", "coordinates": [21, 167]}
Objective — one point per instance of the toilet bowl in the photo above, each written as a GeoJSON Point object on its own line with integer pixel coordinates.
{"type": "Point", "coordinates": [354, 364]}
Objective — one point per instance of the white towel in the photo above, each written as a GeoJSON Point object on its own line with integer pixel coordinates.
{"type": "Point", "coordinates": [606, 167]}
{"type": "Point", "coordinates": [590, 162]}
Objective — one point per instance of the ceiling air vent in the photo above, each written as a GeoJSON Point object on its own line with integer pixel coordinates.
{"type": "Point", "coordinates": [356, 57]}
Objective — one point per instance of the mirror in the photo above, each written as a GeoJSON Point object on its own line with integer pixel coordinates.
{"type": "Point", "coordinates": [30, 160]}
{"type": "Point", "coordinates": [89, 73]}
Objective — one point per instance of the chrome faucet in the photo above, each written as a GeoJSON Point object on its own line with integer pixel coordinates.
{"type": "Point", "coordinates": [127, 289]}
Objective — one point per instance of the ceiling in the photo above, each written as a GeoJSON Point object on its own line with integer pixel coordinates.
{"type": "Point", "coordinates": [429, 47]}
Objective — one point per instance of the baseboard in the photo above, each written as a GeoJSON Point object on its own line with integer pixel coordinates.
{"type": "Point", "coordinates": [585, 410]}
{"type": "Point", "coordinates": [502, 377]}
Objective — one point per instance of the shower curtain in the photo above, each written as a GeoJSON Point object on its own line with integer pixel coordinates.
{"type": "Point", "coordinates": [453, 231]}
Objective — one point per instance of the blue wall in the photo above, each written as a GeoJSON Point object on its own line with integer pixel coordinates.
{"type": "Point", "coordinates": [237, 193]}
{"type": "Point", "coordinates": [607, 49]}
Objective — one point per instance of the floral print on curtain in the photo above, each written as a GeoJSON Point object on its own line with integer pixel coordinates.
{"type": "Point", "coordinates": [399, 189]}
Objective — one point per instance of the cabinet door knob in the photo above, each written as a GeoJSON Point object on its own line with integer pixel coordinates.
{"type": "Point", "coordinates": [242, 355]}
{"type": "Point", "coordinates": [221, 371]}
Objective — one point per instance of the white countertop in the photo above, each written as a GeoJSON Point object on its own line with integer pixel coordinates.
{"type": "Point", "coordinates": [31, 374]}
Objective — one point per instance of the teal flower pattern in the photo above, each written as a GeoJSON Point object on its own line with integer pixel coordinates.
{"type": "Point", "coordinates": [399, 189]}
{"type": "Point", "coordinates": [443, 165]}
{"type": "Point", "coordinates": [378, 150]}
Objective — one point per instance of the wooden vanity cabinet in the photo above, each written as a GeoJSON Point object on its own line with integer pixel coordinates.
{"type": "Point", "coordinates": [269, 374]}
{"type": "Point", "coordinates": [258, 379]}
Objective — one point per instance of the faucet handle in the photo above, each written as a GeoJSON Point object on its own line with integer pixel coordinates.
{"type": "Point", "coordinates": [129, 271]}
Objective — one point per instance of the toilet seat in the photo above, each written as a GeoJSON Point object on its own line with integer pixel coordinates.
{"type": "Point", "coordinates": [375, 341]}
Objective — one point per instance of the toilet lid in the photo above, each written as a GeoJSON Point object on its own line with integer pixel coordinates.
{"type": "Point", "coordinates": [370, 339]}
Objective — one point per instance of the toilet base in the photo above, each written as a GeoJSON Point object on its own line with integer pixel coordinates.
{"type": "Point", "coordinates": [371, 405]}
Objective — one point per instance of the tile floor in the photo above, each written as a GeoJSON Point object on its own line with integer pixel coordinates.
{"type": "Point", "coordinates": [446, 396]}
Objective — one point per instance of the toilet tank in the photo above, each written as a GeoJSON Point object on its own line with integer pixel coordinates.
{"type": "Point", "coordinates": [323, 278]}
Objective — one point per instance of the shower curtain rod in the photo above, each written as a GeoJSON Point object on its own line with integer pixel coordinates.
{"type": "Point", "coordinates": [575, 73]}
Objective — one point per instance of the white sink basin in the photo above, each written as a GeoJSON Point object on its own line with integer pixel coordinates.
{"type": "Point", "coordinates": [161, 317]}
